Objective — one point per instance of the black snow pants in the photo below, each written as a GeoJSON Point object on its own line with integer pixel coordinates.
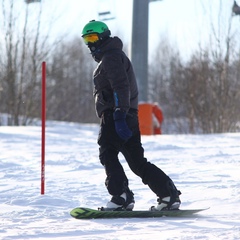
{"type": "Point", "coordinates": [110, 146]}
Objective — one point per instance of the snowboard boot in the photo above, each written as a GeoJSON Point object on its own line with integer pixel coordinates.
{"type": "Point", "coordinates": [123, 202]}
{"type": "Point", "coordinates": [171, 202]}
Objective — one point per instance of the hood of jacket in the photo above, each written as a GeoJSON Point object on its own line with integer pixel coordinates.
{"type": "Point", "coordinates": [112, 43]}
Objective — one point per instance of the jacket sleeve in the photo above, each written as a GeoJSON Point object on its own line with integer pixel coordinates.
{"type": "Point", "coordinates": [116, 73]}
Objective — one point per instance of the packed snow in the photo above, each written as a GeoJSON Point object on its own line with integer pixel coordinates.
{"type": "Point", "coordinates": [204, 167]}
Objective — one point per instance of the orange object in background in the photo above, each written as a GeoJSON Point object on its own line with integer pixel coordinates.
{"type": "Point", "coordinates": [150, 118]}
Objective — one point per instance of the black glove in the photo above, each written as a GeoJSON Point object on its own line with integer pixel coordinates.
{"type": "Point", "coordinates": [121, 126]}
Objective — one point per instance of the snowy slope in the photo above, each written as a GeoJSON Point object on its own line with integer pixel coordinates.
{"type": "Point", "coordinates": [206, 168]}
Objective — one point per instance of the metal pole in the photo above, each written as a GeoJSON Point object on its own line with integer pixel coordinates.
{"type": "Point", "coordinates": [43, 127]}
{"type": "Point", "coordinates": [139, 49]}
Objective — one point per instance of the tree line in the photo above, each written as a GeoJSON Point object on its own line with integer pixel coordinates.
{"type": "Point", "coordinates": [197, 95]}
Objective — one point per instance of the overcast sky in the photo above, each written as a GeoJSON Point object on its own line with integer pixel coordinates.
{"type": "Point", "coordinates": [186, 23]}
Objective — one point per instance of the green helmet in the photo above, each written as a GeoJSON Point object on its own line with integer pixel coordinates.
{"type": "Point", "coordinates": [96, 27]}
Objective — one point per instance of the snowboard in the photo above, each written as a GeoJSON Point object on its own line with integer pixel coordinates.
{"type": "Point", "coordinates": [88, 213]}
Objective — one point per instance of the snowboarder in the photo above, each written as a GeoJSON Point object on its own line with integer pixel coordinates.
{"type": "Point", "coordinates": [116, 102]}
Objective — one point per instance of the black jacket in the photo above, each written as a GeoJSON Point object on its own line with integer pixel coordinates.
{"type": "Point", "coordinates": [115, 84]}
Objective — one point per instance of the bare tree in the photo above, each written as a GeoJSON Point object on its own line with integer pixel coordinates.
{"type": "Point", "coordinates": [70, 87]}
{"type": "Point", "coordinates": [203, 93]}
{"type": "Point", "coordinates": [163, 84]}
{"type": "Point", "coordinates": [24, 50]}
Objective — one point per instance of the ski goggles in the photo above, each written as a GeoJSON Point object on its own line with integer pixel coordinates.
{"type": "Point", "coordinates": [91, 38]}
